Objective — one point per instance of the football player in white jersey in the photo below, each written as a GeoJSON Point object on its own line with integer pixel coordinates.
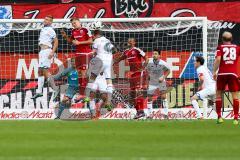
{"type": "Point", "coordinates": [158, 71]}
{"type": "Point", "coordinates": [98, 94]}
{"type": "Point", "coordinates": [207, 88]}
{"type": "Point", "coordinates": [48, 43]}
{"type": "Point", "coordinates": [102, 62]}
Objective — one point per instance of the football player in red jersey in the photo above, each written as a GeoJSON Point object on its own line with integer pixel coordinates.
{"type": "Point", "coordinates": [82, 39]}
{"type": "Point", "coordinates": [225, 72]}
{"type": "Point", "coordinates": [135, 57]}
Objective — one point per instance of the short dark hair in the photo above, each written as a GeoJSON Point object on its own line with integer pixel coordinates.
{"type": "Point", "coordinates": [97, 32]}
{"type": "Point", "coordinates": [200, 59]}
{"type": "Point", "coordinates": [157, 50]}
{"type": "Point", "coordinates": [74, 19]}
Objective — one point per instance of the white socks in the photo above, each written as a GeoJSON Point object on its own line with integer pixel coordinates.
{"type": "Point", "coordinates": [165, 106]}
{"type": "Point", "coordinates": [149, 107]}
{"type": "Point", "coordinates": [196, 107]}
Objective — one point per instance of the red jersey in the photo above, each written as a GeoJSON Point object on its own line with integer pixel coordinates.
{"type": "Point", "coordinates": [134, 57]}
{"type": "Point", "coordinates": [229, 59]}
{"type": "Point", "coordinates": [82, 34]}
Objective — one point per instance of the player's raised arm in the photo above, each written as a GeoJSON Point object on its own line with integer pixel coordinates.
{"type": "Point", "coordinates": [119, 59]}
{"type": "Point", "coordinates": [69, 39]}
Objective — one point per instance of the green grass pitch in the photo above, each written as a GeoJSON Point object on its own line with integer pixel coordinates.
{"type": "Point", "coordinates": [119, 140]}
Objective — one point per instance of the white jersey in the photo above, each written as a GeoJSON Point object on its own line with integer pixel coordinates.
{"type": "Point", "coordinates": [156, 70]}
{"type": "Point", "coordinates": [208, 81]}
{"type": "Point", "coordinates": [101, 83]}
{"type": "Point", "coordinates": [47, 35]}
{"type": "Point", "coordinates": [103, 47]}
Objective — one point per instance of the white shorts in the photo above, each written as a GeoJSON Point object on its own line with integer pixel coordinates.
{"type": "Point", "coordinates": [206, 93]}
{"type": "Point", "coordinates": [100, 84]}
{"type": "Point", "coordinates": [153, 87]}
{"type": "Point", "coordinates": [44, 61]}
{"type": "Point", "coordinates": [98, 65]}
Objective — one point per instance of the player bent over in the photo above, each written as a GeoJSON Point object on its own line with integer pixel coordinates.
{"type": "Point", "coordinates": [101, 63]}
{"type": "Point", "coordinates": [80, 37]}
{"type": "Point", "coordinates": [48, 43]}
{"type": "Point", "coordinates": [207, 87]}
{"type": "Point", "coordinates": [72, 77]}
{"type": "Point", "coordinates": [135, 57]}
{"type": "Point", "coordinates": [226, 63]}
{"type": "Point", "coordinates": [158, 70]}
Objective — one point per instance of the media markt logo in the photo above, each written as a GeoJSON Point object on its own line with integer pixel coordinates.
{"type": "Point", "coordinates": [5, 13]}
{"type": "Point", "coordinates": [132, 8]}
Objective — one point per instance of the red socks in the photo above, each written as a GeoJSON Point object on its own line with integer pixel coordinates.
{"type": "Point", "coordinates": [218, 107]}
{"type": "Point", "coordinates": [235, 108]}
{"type": "Point", "coordinates": [140, 103]}
{"type": "Point", "coordinates": [82, 85]}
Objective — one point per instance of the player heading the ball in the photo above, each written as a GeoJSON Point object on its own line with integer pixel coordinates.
{"type": "Point", "coordinates": [81, 37]}
{"type": "Point", "coordinates": [225, 72]}
{"type": "Point", "coordinates": [48, 43]}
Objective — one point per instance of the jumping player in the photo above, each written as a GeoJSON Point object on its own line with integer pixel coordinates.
{"type": "Point", "coordinates": [158, 71]}
{"type": "Point", "coordinates": [207, 87]}
{"type": "Point", "coordinates": [80, 37]}
{"type": "Point", "coordinates": [225, 72]}
{"type": "Point", "coordinates": [101, 63]}
{"type": "Point", "coordinates": [135, 57]}
{"type": "Point", "coordinates": [48, 43]}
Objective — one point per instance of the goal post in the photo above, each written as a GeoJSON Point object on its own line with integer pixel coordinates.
{"type": "Point", "coordinates": [178, 38]}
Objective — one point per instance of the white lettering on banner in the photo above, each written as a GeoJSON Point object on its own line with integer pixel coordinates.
{"type": "Point", "coordinates": [130, 6]}
{"type": "Point", "coordinates": [183, 27]}
{"type": "Point", "coordinates": [170, 61]}
{"type": "Point", "coordinates": [28, 102]}
{"type": "Point", "coordinates": [4, 99]}
{"type": "Point", "coordinates": [22, 100]}
{"type": "Point", "coordinates": [70, 12]}
{"type": "Point", "coordinates": [23, 71]}
{"type": "Point", "coordinates": [42, 102]}
{"type": "Point", "coordinates": [16, 100]}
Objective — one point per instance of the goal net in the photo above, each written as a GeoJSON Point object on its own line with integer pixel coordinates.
{"type": "Point", "coordinates": [179, 40]}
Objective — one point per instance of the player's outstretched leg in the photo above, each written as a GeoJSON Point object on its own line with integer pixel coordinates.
{"type": "Point", "coordinates": [196, 106]}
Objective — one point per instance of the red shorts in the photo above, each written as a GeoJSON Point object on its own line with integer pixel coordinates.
{"type": "Point", "coordinates": [230, 80]}
{"type": "Point", "coordinates": [138, 80]}
{"type": "Point", "coordinates": [82, 60]}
